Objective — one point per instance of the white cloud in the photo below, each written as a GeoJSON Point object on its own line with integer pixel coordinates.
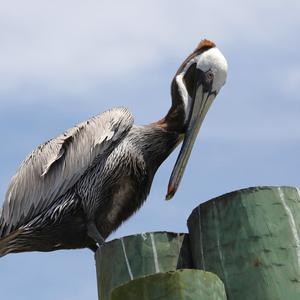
{"type": "Point", "coordinates": [74, 44]}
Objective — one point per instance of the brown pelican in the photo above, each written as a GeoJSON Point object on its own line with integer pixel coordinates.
{"type": "Point", "coordinates": [75, 190]}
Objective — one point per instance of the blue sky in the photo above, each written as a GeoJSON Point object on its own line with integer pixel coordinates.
{"type": "Point", "coordinates": [64, 61]}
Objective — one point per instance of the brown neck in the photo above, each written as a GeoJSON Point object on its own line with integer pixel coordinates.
{"type": "Point", "coordinates": [174, 120]}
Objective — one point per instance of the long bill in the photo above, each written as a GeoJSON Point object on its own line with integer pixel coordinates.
{"type": "Point", "coordinates": [201, 103]}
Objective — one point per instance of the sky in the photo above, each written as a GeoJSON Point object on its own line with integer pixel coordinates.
{"type": "Point", "coordinates": [62, 62]}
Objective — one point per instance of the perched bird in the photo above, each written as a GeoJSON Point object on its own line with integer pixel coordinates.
{"type": "Point", "coordinates": [75, 190]}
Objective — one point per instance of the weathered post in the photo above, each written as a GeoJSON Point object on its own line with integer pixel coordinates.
{"type": "Point", "coordinates": [122, 260]}
{"type": "Point", "coordinates": [250, 239]}
{"type": "Point", "coordinates": [181, 284]}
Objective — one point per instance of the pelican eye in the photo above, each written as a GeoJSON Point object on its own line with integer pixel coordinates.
{"type": "Point", "coordinates": [209, 76]}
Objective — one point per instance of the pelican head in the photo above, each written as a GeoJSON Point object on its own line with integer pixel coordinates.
{"type": "Point", "coordinates": [195, 85]}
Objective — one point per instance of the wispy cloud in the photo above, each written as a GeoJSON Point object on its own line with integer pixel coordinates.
{"type": "Point", "coordinates": [73, 45]}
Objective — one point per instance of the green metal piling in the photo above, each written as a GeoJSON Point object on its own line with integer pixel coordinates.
{"type": "Point", "coordinates": [182, 284]}
{"type": "Point", "coordinates": [125, 259]}
{"type": "Point", "coordinates": [250, 239]}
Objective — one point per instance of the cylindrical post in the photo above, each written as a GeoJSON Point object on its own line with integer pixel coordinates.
{"type": "Point", "coordinates": [127, 258]}
{"type": "Point", "coordinates": [182, 284]}
{"type": "Point", "coordinates": [251, 240]}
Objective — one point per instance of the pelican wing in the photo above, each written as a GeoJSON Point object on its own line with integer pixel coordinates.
{"type": "Point", "coordinates": [54, 167]}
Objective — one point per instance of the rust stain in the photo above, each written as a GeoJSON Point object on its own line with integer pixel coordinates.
{"type": "Point", "coordinates": [257, 263]}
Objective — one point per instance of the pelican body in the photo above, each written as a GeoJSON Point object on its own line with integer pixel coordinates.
{"type": "Point", "coordinates": [75, 190]}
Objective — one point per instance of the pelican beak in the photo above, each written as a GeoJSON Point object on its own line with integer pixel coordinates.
{"type": "Point", "coordinates": [201, 101]}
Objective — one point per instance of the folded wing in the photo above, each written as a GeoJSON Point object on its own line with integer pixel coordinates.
{"type": "Point", "coordinates": [54, 167]}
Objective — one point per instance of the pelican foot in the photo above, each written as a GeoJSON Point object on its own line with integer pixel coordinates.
{"type": "Point", "coordinates": [93, 233]}
{"type": "Point", "coordinates": [93, 248]}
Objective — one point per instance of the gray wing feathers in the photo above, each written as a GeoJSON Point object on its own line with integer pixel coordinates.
{"type": "Point", "coordinates": [54, 167]}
